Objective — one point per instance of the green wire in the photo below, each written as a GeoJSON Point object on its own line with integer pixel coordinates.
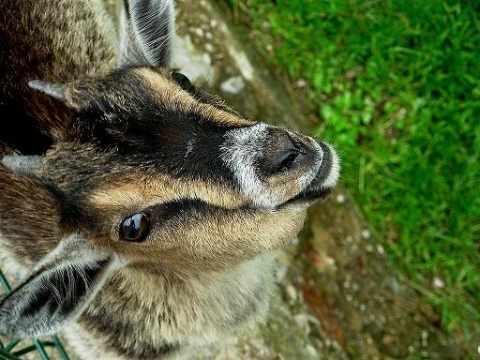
{"type": "Point", "coordinates": [60, 348]}
{"type": "Point", "coordinates": [5, 355]}
{"type": "Point", "coordinates": [40, 349]}
{"type": "Point", "coordinates": [11, 345]}
{"type": "Point", "coordinates": [4, 282]}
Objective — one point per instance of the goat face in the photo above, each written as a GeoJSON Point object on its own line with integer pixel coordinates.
{"type": "Point", "coordinates": [164, 173]}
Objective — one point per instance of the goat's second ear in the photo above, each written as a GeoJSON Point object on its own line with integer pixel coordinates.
{"type": "Point", "coordinates": [24, 165]}
{"type": "Point", "coordinates": [57, 291]}
{"type": "Point", "coordinates": [146, 29]}
{"type": "Point", "coordinates": [54, 90]}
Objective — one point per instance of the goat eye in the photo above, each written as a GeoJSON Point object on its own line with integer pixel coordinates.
{"type": "Point", "coordinates": [135, 228]}
{"type": "Point", "coordinates": [182, 80]}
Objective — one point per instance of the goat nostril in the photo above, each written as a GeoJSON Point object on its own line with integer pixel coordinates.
{"type": "Point", "coordinates": [284, 153]}
{"type": "Point", "coordinates": [292, 153]}
{"type": "Point", "coordinates": [285, 161]}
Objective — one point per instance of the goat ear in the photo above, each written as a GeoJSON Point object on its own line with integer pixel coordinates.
{"type": "Point", "coordinates": [54, 90]}
{"type": "Point", "coordinates": [57, 291]}
{"type": "Point", "coordinates": [146, 29]}
{"type": "Point", "coordinates": [24, 165]}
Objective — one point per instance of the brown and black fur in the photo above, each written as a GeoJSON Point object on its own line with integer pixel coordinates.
{"type": "Point", "coordinates": [38, 45]}
{"type": "Point", "coordinates": [95, 131]}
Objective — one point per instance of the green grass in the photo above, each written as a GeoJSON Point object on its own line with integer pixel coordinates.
{"type": "Point", "coordinates": [395, 85]}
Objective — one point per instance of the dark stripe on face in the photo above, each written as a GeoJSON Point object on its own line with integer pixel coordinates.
{"type": "Point", "coordinates": [181, 210]}
{"type": "Point", "coordinates": [125, 115]}
{"type": "Point", "coordinates": [174, 209]}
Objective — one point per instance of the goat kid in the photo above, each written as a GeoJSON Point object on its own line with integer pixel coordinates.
{"type": "Point", "coordinates": [145, 211]}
